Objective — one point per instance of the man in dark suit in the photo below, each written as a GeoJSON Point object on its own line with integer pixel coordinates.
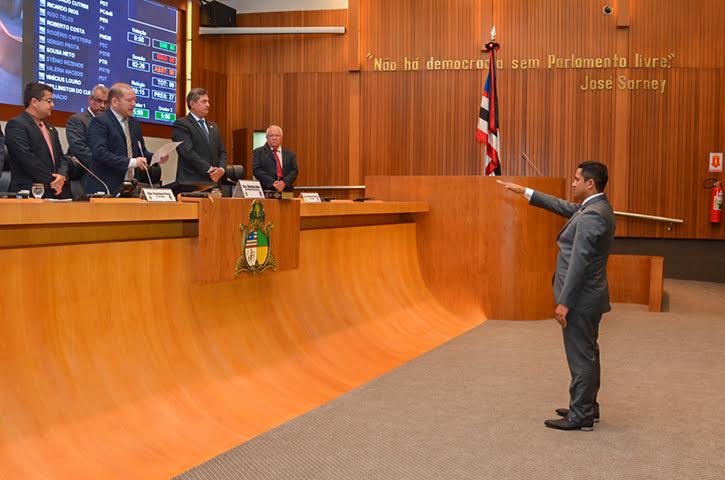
{"type": "Point", "coordinates": [2, 152]}
{"type": "Point", "coordinates": [275, 167]}
{"type": "Point", "coordinates": [580, 286]}
{"type": "Point", "coordinates": [76, 129]}
{"type": "Point", "coordinates": [118, 150]}
{"type": "Point", "coordinates": [202, 156]}
{"type": "Point", "coordinates": [35, 153]}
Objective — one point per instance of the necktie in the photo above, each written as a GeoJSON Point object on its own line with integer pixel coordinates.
{"type": "Point", "coordinates": [204, 128]}
{"type": "Point", "coordinates": [46, 135]}
{"type": "Point", "coordinates": [280, 174]}
{"type": "Point", "coordinates": [129, 147]}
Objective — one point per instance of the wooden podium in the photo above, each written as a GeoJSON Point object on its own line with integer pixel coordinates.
{"type": "Point", "coordinates": [220, 241]}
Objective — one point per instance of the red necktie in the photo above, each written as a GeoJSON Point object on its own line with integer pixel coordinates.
{"type": "Point", "coordinates": [44, 131]}
{"type": "Point", "coordinates": [279, 165]}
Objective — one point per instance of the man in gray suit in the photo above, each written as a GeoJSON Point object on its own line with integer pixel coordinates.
{"type": "Point", "coordinates": [581, 291]}
{"type": "Point", "coordinates": [202, 156]}
{"type": "Point", "coordinates": [77, 127]}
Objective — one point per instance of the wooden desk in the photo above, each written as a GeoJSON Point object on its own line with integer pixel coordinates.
{"type": "Point", "coordinates": [346, 213]}
{"type": "Point", "coordinates": [42, 222]}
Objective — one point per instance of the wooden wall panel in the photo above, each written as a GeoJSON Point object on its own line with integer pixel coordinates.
{"type": "Point", "coordinates": [692, 30]}
{"type": "Point", "coordinates": [555, 124]}
{"type": "Point", "coordinates": [414, 124]}
{"type": "Point", "coordinates": [423, 27]}
{"type": "Point", "coordinates": [288, 53]}
{"type": "Point", "coordinates": [674, 133]}
{"type": "Point", "coordinates": [423, 122]}
{"type": "Point", "coordinates": [320, 139]}
{"type": "Point", "coordinates": [670, 151]}
{"type": "Point", "coordinates": [531, 29]}
{"type": "Point", "coordinates": [216, 84]}
{"type": "Point", "coordinates": [312, 110]}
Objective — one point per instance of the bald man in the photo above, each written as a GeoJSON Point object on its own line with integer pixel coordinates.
{"type": "Point", "coordinates": [76, 129]}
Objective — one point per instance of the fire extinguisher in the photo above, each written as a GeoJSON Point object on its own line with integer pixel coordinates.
{"type": "Point", "coordinates": [715, 202]}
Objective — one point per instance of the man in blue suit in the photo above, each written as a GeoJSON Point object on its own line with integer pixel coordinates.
{"type": "Point", "coordinates": [118, 150]}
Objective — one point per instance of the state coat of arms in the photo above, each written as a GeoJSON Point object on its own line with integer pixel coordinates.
{"type": "Point", "coordinates": [256, 243]}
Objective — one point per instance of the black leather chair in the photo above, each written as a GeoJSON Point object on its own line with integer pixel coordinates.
{"type": "Point", "coordinates": [231, 175]}
{"type": "Point", "coordinates": [4, 167]}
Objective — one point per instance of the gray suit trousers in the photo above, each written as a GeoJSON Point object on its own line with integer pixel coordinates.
{"type": "Point", "coordinates": [582, 355]}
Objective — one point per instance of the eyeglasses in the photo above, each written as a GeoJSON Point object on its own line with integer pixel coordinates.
{"type": "Point", "coordinates": [49, 100]}
{"type": "Point", "coordinates": [99, 100]}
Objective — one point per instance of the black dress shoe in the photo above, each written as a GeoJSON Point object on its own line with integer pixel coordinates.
{"type": "Point", "coordinates": [564, 412]}
{"type": "Point", "coordinates": [566, 424]}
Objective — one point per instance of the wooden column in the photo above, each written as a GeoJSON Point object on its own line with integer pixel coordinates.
{"type": "Point", "coordinates": [619, 166]}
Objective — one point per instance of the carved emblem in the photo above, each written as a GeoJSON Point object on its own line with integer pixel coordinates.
{"type": "Point", "coordinates": [256, 243]}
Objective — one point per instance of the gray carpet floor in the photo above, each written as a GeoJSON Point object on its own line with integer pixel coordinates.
{"type": "Point", "coordinates": [474, 408]}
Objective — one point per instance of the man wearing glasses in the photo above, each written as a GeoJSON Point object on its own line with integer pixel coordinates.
{"type": "Point", "coordinates": [36, 155]}
{"type": "Point", "coordinates": [77, 128]}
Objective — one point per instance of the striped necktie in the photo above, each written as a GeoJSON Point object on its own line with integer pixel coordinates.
{"type": "Point", "coordinates": [129, 147]}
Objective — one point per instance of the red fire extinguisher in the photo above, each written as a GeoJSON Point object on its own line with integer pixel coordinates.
{"type": "Point", "coordinates": [716, 203]}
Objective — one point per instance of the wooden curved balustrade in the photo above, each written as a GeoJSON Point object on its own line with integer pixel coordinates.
{"type": "Point", "coordinates": [482, 248]}
{"type": "Point", "coordinates": [116, 364]}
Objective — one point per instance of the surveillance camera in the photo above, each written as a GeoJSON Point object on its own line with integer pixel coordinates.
{"type": "Point", "coordinates": [607, 9]}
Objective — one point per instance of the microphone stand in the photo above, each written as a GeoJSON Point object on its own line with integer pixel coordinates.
{"type": "Point", "coordinates": [151, 184]}
{"type": "Point", "coordinates": [79, 163]}
{"type": "Point", "coordinates": [525, 157]}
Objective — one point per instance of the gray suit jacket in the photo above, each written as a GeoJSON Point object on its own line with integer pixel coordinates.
{"type": "Point", "coordinates": [76, 130]}
{"type": "Point", "coordinates": [197, 154]}
{"type": "Point", "coordinates": [580, 281]}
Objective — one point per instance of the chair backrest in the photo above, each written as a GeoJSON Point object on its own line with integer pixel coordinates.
{"type": "Point", "coordinates": [233, 173]}
{"type": "Point", "coordinates": [4, 168]}
{"type": "Point", "coordinates": [76, 188]}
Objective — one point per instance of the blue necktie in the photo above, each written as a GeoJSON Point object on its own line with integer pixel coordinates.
{"type": "Point", "coordinates": [203, 127]}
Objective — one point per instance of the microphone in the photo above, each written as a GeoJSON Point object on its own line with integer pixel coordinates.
{"type": "Point", "coordinates": [525, 157]}
{"type": "Point", "coordinates": [78, 162]}
{"type": "Point", "coordinates": [151, 184]}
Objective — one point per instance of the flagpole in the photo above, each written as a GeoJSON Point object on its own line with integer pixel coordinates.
{"type": "Point", "coordinates": [491, 47]}
{"type": "Point", "coordinates": [487, 129]}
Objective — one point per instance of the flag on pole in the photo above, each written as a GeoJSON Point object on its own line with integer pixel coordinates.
{"type": "Point", "coordinates": [487, 131]}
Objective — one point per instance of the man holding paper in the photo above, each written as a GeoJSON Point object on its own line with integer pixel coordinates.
{"type": "Point", "coordinates": [118, 150]}
{"type": "Point", "coordinates": [202, 156]}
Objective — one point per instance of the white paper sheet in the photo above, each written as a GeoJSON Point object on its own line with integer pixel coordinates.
{"type": "Point", "coordinates": [164, 149]}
